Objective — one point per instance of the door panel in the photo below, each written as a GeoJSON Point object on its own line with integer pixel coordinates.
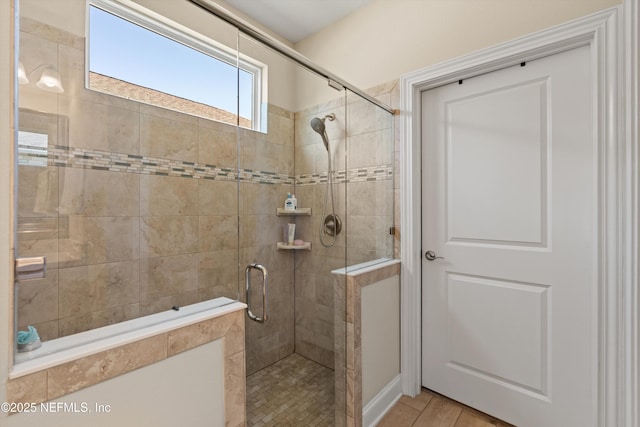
{"type": "Point", "coordinates": [510, 203]}
{"type": "Point", "coordinates": [512, 325]}
{"type": "Point", "coordinates": [507, 204]}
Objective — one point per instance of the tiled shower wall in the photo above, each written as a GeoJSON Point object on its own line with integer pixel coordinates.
{"type": "Point", "coordinates": [136, 207]}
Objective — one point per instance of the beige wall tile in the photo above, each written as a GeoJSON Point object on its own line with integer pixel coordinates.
{"type": "Point", "coordinates": [234, 337]}
{"type": "Point", "coordinates": [263, 199]}
{"type": "Point", "coordinates": [280, 127]}
{"type": "Point", "coordinates": [97, 319]}
{"type": "Point", "coordinates": [168, 138]}
{"type": "Point", "coordinates": [217, 197]}
{"type": "Point", "coordinates": [98, 193]}
{"type": "Point", "coordinates": [100, 126]}
{"type": "Point", "coordinates": [46, 330]}
{"type": "Point", "coordinates": [75, 324]}
{"type": "Point", "coordinates": [95, 240]}
{"type": "Point", "coordinates": [165, 276]}
{"type": "Point", "coordinates": [168, 302]}
{"type": "Point", "coordinates": [38, 300]}
{"type": "Point", "coordinates": [365, 117]}
{"type": "Point", "coordinates": [97, 287]}
{"type": "Point", "coordinates": [168, 195]}
{"type": "Point", "coordinates": [260, 154]}
{"type": "Point", "coordinates": [168, 235]}
{"type": "Point", "coordinates": [217, 147]}
{"type": "Point", "coordinates": [371, 198]}
{"type": "Point", "coordinates": [38, 191]}
{"type": "Point", "coordinates": [218, 232]}
{"type": "Point", "coordinates": [235, 389]}
{"type": "Point", "coordinates": [259, 230]}
{"type": "Point", "coordinates": [217, 268]}
{"type": "Point", "coordinates": [370, 149]}
{"type": "Point", "coordinates": [169, 115]}
{"type": "Point", "coordinates": [192, 336]}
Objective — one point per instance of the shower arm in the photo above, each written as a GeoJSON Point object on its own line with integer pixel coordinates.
{"type": "Point", "coordinates": [333, 80]}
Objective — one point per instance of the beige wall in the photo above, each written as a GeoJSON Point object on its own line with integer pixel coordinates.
{"type": "Point", "coordinates": [6, 171]}
{"type": "Point", "coordinates": [389, 38]}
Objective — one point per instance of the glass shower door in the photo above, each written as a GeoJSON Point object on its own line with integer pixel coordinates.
{"type": "Point", "coordinates": [291, 356]}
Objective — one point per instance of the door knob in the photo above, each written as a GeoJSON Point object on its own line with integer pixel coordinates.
{"type": "Point", "coordinates": [430, 255]}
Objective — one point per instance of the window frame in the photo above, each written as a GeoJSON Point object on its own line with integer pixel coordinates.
{"type": "Point", "coordinates": [172, 30]}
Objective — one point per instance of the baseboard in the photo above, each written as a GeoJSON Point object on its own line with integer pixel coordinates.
{"type": "Point", "coordinates": [381, 403]}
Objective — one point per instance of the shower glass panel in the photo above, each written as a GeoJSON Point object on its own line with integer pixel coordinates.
{"type": "Point", "coordinates": [290, 357]}
{"type": "Point", "coordinates": [134, 205]}
{"type": "Point", "coordinates": [370, 188]}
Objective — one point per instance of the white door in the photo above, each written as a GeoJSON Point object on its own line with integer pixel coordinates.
{"type": "Point", "coordinates": [510, 202]}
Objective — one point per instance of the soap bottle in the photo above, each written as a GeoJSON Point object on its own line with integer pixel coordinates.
{"type": "Point", "coordinates": [289, 203]}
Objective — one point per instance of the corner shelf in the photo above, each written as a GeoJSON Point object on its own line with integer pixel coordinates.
{"type": "Point", "coordinates": [296, 212]}
{"type": "Point", "coordinates": [281, 246]}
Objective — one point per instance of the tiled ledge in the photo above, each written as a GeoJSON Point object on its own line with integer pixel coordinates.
{"type": "Point", "coordinates": [62, 379]}
{"type": "Point", "coordinates": [348, 283]}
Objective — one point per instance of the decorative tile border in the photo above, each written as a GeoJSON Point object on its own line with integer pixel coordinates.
{"type": "Point", "coordinates": [370, 173]}
{"type": "Point", "coordinates": [132, 163]}
{"type": "Point", "coordinates": [84, 158]}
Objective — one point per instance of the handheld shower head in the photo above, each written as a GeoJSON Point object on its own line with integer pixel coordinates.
{"type": "Point", "coordinates": [318, 126]}
{"type": "Point", "coordinates": [332, 224]}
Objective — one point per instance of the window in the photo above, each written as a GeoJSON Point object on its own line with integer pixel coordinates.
{"type": "Point", "coordinates": [133, 56]}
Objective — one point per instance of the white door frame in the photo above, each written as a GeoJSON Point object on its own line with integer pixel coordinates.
{"type": "Point", "coordinates": [612, 35]}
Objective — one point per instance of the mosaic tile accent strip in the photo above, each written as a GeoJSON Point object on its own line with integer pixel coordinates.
{"type": "Point", "coordinates": [132, 163]}
{"type": "Point", "coordinates": [294, 391]}
{"type": "Point", "coordinates": [370, 173]}
{"type": "Point", "coordinates": [84, 158]}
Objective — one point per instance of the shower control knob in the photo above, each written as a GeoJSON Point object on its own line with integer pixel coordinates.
{"type": "Point", "coordinates": [430, 255]}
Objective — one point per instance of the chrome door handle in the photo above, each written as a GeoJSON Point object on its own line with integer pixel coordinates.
{"type": "Point", "coordinates": [430, 255]}
{"type": "Point", "coordinates": [247, 276]}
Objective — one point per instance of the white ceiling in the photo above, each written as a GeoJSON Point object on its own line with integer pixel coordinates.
{"type": "Point", "coordinates": [296, 19]}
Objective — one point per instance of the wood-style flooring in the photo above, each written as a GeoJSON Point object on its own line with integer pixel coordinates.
{"type": "Point", "coordinates": [430, 409]}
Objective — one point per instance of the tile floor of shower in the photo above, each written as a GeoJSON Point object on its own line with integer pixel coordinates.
{"type": "Point", "coordinates": [294, 391]}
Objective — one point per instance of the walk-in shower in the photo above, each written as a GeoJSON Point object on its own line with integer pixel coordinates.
{"type": "Point", "coordinates": [331, 225]}
{"type": "Point", "coordinates": [140, 207]}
